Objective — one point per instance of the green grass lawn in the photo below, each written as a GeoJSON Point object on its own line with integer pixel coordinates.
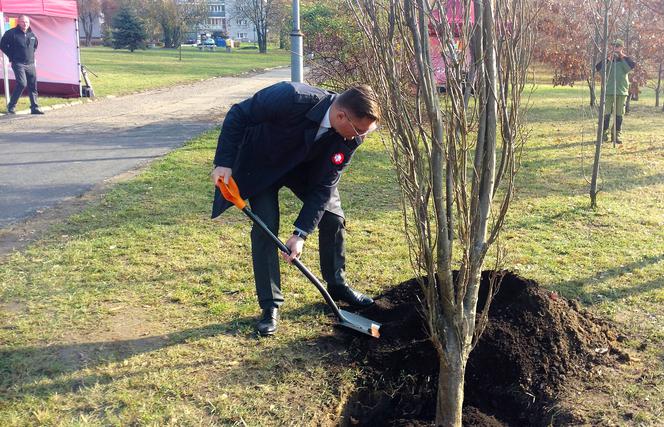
{"type": "Point", "coordinates": [140, 309]}
{"type": "Point", "coordinates": [121, 72]}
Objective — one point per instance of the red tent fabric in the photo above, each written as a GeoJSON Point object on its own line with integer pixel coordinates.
{"type": "Point", "coordinates": [57, 58]}
{"type": "Point", "coordinates": [58, 8]}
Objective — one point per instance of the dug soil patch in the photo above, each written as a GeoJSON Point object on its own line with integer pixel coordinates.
{"type": "Point", "coordinates": [534, 343]}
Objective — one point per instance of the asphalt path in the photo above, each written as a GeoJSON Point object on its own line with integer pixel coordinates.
{"type": "Point", "coordinates": [47, 160]}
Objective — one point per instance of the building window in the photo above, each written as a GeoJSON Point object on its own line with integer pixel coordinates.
{"type": "Point", "coordinates": [242, 22]}
{"type": "Point", "coordinates": [217, 8]}
{"type": "Point", "coordinates": [215, 22]}
{"type": "Point", "coordinates": [242, 35]}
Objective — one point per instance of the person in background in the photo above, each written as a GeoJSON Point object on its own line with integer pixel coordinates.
{"type": "Point", "coordinates": [617, 88]}
{"type": "Point", "coordinates": [20, 44]}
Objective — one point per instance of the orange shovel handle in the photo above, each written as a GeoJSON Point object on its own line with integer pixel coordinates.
{"type": "Point", "coordinates": [231, 192]}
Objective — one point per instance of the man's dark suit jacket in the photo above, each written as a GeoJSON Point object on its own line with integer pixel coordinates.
{"type": "Point", "coordinates": [268, 140]}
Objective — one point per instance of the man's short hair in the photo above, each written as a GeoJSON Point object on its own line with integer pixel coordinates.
{"type": "Point", "coordinates": [618, 43]}
{"type": "Point", "coordinates": [361, 101]}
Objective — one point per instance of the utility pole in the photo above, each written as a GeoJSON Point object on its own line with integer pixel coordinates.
{"type": "Point", "coordinates": [297, 73]}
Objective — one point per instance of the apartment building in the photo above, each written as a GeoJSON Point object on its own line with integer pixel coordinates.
{"type": "Point", "coordinates": [222, 18]}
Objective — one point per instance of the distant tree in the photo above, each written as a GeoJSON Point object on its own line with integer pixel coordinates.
{"type": "Point", "coordinates": [285, 28]}
{"type": "Point", "coordinates": [175, 18]}
{"type": "Point", "coordinates": [88, 12]}
{"type": "Point", "coordinates": [642, 32]}
{"type": "Point", "coordinates": [331, 36]}
{"type": "Point", "coordinates": [564, 38]}
{"type": "Point", "coordinates": [108, 8]}
{"type": "Point", "coordinates": [568, 42]}
{"type": "Point", "coordinates": [654, 50]}
{"type": "Point", "coordinates": [128, 30]}
{"type": "Point", "coordinates": [283, 25]}
{"type": "Point", "coordinates": [658, 85]}
{"type": "Point", "coordinates": [263, 14]}
{"type": "Point", "coordinates": [570, 38]}
{"type": "Point", "coordinates": [603, 10]}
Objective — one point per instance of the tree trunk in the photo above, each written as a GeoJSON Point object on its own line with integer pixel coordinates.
{"type": "Point", "coordinates": [176, 38]}
{"type": "Point", "coordinates": [485, 152]}
{"type": "Point", "coordinates": [87, 24]}
{"type": "Point", "coordinates": [602, 102]}
{"type": "Point", "coordinates": [591, 87]}
{"type": "Point", "coordinates": [635, 91]}
{"type": "Point", "coordinates": [168, 40]}
{"type": "Point", "coordinates": [592, 80]}
{"type": "Point", "coordinates": [658, 90]}
{"type": "Point", "coordinates": [262, 40]}
{"type": "Point", "coordinates": [283, 36]}
{"type": "Point", "coordinates": [449, 403]}
{"type": "Point", "coordinates": [628, 104]}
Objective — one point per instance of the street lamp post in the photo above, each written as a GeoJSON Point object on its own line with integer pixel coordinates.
{"type": "Point", "coordinates": [297, 73]}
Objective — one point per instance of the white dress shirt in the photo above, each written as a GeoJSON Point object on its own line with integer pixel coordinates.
{"type": "Point", "coordinates": [325, 125]}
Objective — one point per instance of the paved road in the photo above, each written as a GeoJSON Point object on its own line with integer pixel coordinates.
{"type": "Point", "coordinates": [47, 160]}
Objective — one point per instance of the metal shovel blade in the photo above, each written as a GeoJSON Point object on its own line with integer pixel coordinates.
{"type": "Point", "coordinates": [359, 323]}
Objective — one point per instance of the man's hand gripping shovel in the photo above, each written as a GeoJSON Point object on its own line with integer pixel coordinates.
{"type": "Point", "coordinates": [353, 321]}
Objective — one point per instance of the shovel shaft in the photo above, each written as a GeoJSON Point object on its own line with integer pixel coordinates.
{"type": "Point", "coordinates": [283, 248]}
{"type": "Point", "coordinates": [231, 192]}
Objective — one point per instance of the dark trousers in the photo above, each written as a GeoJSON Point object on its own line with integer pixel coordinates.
{"type": "Point", "coordinates": [264, 253]}
{"type": "Point", "coordinates": [607, 119]}
{"type": "Point", "coordinates": [26, 75]}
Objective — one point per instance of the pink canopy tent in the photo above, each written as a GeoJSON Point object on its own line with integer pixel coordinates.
{"type": "Point", "coordinates": [455, 14]}
{"type": "Point", "coordinates": [55, 24]}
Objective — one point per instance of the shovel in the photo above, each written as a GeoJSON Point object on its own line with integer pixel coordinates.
{"type": "Point", "coordinates": [347, 319]}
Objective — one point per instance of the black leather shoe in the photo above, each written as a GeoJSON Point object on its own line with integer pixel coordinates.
{"type": "Point", "coordinates": [11, 111]}
{"type": "Point", "coordinates": [349, 295]}
{"type": "Point", "coordinates": [268, 323]}
{"type": "Point", "coordinates": [36, 111]}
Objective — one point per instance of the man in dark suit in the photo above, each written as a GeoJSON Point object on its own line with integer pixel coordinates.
{"type": "Point", "coordinates": [301, 137]}
{"type": "Point", "coordinates": [20, 44]}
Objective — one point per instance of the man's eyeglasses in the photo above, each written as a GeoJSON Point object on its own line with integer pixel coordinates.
{"type": "Point", "coordinates": [372, 128]}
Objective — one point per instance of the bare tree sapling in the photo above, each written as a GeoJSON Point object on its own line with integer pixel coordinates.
{"type": "Point", "coordinates": [455, 153]}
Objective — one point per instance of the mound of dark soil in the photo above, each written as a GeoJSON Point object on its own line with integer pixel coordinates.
{"type": "Point", "coordinates": [535, 340]}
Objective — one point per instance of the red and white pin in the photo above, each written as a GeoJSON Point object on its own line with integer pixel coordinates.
{"type": "Point", "coordinates": [338, 158]}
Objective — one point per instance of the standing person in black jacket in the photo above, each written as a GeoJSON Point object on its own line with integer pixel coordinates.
{"type": "Point", "coordinates": [20, 44]}
{"type": "Point", "coordinates": [301, 137]}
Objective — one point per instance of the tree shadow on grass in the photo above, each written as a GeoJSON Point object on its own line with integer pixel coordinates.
{"type": "Point", "coordinates": [654, 148]}
{"type": "Point", "coordinates": [549, 114]}
{"type": "Point", "coordinates": [558, 146]}
{"type": "Point", "coordinates": [589, 151]}
{"type": "Point", "coordinates": [43, 371]}
{"type": "Point", "coordinates": [578, 287]}
{"type": "Point", "coordinates": [551, 217]}
{"type": "Point", "coordinates": [561, 175]}
{"type": "Point", "coordinates": [628, 177]}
